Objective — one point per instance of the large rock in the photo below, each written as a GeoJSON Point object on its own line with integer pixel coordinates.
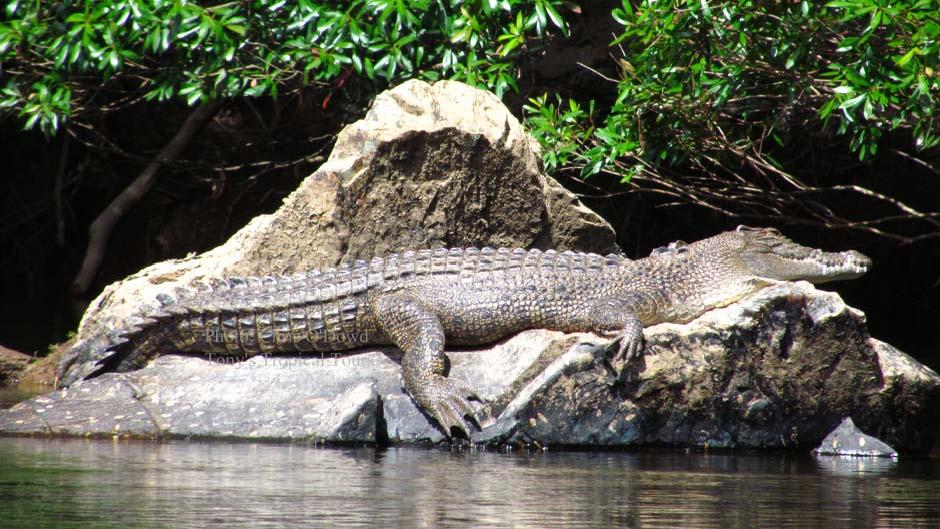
{"type": "Point", "coordinates": [777, 369]}
{"type": "Point", "coordinates": [780, 368]}
{"type": "Point", "coordinates": [429, 166]}
{"type": "Point", "coordinates": [355, 398]}
{"type": "Point", "coordinates": [446, 165]}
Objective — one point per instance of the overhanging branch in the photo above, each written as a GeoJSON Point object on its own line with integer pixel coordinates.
{"type": "Point", "coordinates": [100, 230]}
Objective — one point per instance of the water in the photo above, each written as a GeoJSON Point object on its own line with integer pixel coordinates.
{"type": "Point", "coordinates": [128, 484]}
{"type": "Point", "coordinates": [10, 395]}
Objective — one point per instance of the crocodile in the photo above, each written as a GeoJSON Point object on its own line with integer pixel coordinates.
{"type": "Point", "coordinates": [419, 300]}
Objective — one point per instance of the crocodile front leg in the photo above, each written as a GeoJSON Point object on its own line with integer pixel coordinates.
{"type": "Point", "coordinates": [418, 332]}
{"type": "Point", "coordinates": [618, 318]}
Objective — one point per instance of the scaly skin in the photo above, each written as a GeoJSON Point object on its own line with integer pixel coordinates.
{"type": "Point", "coordinates": [419, 300]}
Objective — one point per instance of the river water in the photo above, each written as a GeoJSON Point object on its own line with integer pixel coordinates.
{"type": "Point", "coordinates": [181, 484]}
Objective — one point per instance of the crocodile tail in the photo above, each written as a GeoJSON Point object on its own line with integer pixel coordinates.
{"type": "Point", "coordinates": [105, 352]}
{"type": "Point", "coordinates": [134, 348]}
{"type": "Point", "coordinates": [148, 335]}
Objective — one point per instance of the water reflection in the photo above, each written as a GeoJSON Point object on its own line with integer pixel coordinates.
{"type": "Point", "coordinates": [75, 483]}
{"type": "Point", "coordinates": [854, 466]}
{"type": "Point", "coordinates": [10, 395]}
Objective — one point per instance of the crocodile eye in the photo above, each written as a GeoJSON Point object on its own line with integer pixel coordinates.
{"type": "Point", "coordinates": [759, 231]}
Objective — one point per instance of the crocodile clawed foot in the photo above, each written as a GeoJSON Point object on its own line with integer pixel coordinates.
{"type": "Point", "coordinates": [628, 348]}
{"type": "Point", "coordinates": [447, 401]}
{"type": "Point", "coordinates": [628, 345]}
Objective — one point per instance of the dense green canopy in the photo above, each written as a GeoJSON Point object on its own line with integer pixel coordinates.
{"type": "Point", "coordinates": [59, 56]}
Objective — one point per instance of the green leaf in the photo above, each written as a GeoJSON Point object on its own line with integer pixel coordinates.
{"type": "Point", "coordinates": [75, 18]}
{"type": "Point", "coordinates": [61, 57]}
{"type": "Point", "coordinates": [540, 14]}
{"type": "Point", "coordinates": [621, 17]}
{"type": "Point", "coordinates": [827, 109]}
{"type": "Point", "coordinates": [868, 110]}
{"type": "Point", "coordinates": [31, 122]}
{"type": "Point", "coordinates": [853, 102]}
{"type": "Point", "coordinates": [556, 18]}
{"type": "Point", "coordinates": [876, 18]}
{"type": "Point", "coordinates": [906, 58]}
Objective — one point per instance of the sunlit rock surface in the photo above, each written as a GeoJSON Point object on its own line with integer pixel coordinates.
{"type": "Point", "coordinates": [848, 440]}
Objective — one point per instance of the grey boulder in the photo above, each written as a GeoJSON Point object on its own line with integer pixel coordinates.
{"type": "Point", "coordinates": [848, 440]}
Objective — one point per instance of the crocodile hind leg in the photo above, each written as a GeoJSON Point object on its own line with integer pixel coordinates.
{"type": "Point", "coordinates": [418, 332]}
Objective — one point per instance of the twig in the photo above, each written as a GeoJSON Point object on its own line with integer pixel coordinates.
{"type": "Point", "coordinates": [599, 74]}
{"type": "Point", "coordinates": [916, 160]}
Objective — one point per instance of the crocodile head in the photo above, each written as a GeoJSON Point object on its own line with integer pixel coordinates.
{"type": "Point", "coordinates": [767, 254]}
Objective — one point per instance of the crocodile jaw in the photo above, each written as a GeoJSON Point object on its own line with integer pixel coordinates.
{"type": "Point", "coordinates": [844, 265]}
{"type": "Point", "coordinates": [793, 262]}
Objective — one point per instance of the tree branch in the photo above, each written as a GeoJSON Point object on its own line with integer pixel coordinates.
{"type": "Point", "coordinates": [100, 230]}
